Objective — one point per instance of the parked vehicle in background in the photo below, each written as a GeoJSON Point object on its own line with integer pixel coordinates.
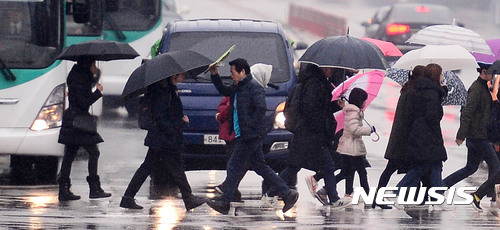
{"type": "Point", "coordinates": [257, 41]}
{"type": "Point", "coordinates": [32, 85]}
{"type": "Point", "coordinates": [398, 22]}
{"type": "Point", "coordinates": [139, 23]}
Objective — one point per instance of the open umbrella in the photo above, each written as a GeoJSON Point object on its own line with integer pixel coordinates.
{"type": "Point", "coordinates": [387, 48]}
{"type": "Point", "coordinates": [101, 50]}
{"type": "Point", "coordinates": [449, 57]}
{"type": "Point", "coordinates": [457, 93]}
{"type": "Point", "coordinates": [163, 66]}
{"type": "Point", "coordinates": [451, 35]}
{"type": "Point", "coordinates": [489, 59]}
{"type": "Point", "coordinates": [370, 82]}
{"type": "Point", "coordinates": [344, 52]}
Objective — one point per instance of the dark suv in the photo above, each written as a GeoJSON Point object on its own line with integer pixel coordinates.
{"type": "Point", "coordinates": [257, 41]}
{"type": "Point", "coordinates": [397, 23]}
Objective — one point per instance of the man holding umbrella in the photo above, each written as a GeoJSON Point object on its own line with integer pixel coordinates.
{"type": "Point", "coordinates": [473, 122]}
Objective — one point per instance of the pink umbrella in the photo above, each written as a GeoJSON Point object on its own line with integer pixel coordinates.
{"type": "Point", "coordinates": [489, 59]}
{"type": "Point", "coordinates": [387, 48]}
{"type": "Point", "coordinates": [370, 82]}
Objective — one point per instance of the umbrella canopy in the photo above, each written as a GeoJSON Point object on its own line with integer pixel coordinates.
{"type": "Point", "coordinates": [494, 69]}
{"type": "Point", "coordinates": [457, 93]}
{"type": "Point", "coordinates": [451, 35]}
{"type": "Point", "coordinates": [101, 50]}
{"type": "Point", "coordinates": [489, 59]}
{"type": "Point", "coordinates": [370, 82]}
{"type": "Point", "coordinates": [164, 66]}
{"type": "Point", "coordinates": [449, 57]}
{"type": "Point", "coordinates": [387, 48]}
{"type": "Point", "coordinates": [344, 52]}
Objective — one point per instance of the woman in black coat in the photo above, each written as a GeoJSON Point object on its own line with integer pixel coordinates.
{"type": "Point", "coordinates": [397, 147]}
{"type": "Point", "coordinates": [81, 97]}
{"type": "Point", "coordinates": [165, 142]}
{"type": "Point", "coordinates": [425, 140]}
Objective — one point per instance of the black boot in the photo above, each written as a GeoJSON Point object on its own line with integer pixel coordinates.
{"type": "Point", "coordinates": [95, 188]}
{"type": "Point", "coordinates": [129, 202]}
{"type": "Point", "coordinates": [219, 205]}
{"type": "Point", "coordinates": [191, 202]}
{"type": "Point", "coordinates": [64, 193]}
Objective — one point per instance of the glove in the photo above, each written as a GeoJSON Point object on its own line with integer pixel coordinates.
{"type": "Point", "coordinates": [373, 129]}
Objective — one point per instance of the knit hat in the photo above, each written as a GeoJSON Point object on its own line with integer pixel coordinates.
{"type": "Point", "coordinates": [357, 97]}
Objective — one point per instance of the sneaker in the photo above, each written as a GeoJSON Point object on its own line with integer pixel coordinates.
{"type": "Point", "coordinates": [236, 196]}
{"type": "Point", "coordinates": [290, 199]}
{"type": "Point", "coordinates": [312, 184]}
{"type": "Point", "coordinates": [219, 189]}
{"type": "Point", "coordinates": [271, 201]}
{"type": "Point", "coordinates": [219, 205]}
{"type": "Point", "coordinates": [192, 202]}
{"type": "Point", "coordinates": [322, 196]}
{"type": "Point", "coordinates": [341, 203]}
{"type": "Point", "coordinates": [476, 203]}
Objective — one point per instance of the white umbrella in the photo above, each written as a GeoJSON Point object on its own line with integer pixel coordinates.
{"type": "Point", "coordinates": [449, 57]}
{"type": "Point", "coordinates": [451, 35]}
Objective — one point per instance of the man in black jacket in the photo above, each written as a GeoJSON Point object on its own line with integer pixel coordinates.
{"type": "Point", "coordinates": [248, 108]}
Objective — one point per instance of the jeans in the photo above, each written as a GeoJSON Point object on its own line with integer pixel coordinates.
{"type": "Point", "coordinates": [70, 152]}
{"type": "Point", "coordinates": [250, 151]}
{"type": "Point", "coordinates": [477, 151]}
{"type": "Point", "coordinates": [326, 170]}
{"type": "Point", "coordinates": [168, 160]}
{"type": "Point", "coordinates": [414, 176]}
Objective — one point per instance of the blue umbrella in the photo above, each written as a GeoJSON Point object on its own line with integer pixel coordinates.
{"type": "Point", "coordinates": [457, 93]}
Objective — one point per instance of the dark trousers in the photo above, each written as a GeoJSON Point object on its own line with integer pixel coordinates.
{"type": "Point", "coordinates": [477, 151]}
{"type": "Point", "coordinates": [488, 186]}
{"type": "Point", "coordinates": [70, 152]}
{"type": "Point", "coordinates": [390, 169]}
{"type": "Point", "coordinates": [326, 170]}
{"type": "Point", "coordinates": [249, 151]}
{"type": "Point", "coordinates": [167, 160]}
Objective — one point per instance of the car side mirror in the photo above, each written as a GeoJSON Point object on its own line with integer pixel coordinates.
{"type": "Point", "coordinates": [80, 10]}
{"type": "Point", "coordinates": [301, 46]}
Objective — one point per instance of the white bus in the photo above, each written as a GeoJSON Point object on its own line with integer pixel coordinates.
{"type": "Point", "coordinates": [32, 85]}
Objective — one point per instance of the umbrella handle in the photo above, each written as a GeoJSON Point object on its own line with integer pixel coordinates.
{"type": "Point", "coordinates": [376, 139]}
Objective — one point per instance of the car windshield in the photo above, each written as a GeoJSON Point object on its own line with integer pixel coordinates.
{"type": "Point", "coordinates": [31, 33]}
{"type": "Point", "coordinates": [267, 48]}
{"type": "Point", "coordinates": [133, 15]}
{"type": "Point", "coordinates": [422, 14]}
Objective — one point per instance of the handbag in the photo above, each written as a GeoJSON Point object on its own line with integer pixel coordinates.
{"type": "Point", "coordinates": [86, 123]}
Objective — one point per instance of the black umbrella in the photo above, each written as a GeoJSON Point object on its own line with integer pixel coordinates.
{"type": "Point", "coordinates": [163, 66]}
{"type": "Point", "coordinates": [101, 50]}
{"type": "Point", "coordinates": [345, 52]}
{"type": "Point", "coordinates": [494, 68]}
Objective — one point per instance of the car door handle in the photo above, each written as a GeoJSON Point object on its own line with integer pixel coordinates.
{"type": "Point", "coordinates": [9, 101]}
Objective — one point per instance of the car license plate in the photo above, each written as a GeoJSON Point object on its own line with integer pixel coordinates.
{"type": "Point", "coordinates": [212, 139]}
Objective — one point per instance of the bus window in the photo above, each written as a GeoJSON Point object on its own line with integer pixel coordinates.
{"type": "Point", "coordinates": [133, 15]}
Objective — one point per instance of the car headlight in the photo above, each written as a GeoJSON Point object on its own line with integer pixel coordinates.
{"type": "Point", "coordinates": [50, 115]}
{"type": "Point", "coordinates": [279, 120]}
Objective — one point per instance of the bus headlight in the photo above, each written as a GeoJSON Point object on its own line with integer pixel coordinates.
{"type": "Point", "coordinates": [50, 115]}
{"type": "Point", "coordinates": [279, 120]}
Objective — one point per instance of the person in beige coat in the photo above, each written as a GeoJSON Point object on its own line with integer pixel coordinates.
{"type": "Point", "coordinates": [351, 146]}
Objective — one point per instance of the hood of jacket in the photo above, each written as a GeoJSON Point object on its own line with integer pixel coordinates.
{"type": "Point", "coordinates": [261, 73]}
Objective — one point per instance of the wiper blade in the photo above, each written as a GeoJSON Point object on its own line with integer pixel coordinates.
{"type": "Point", "coordinates": [9, 76]}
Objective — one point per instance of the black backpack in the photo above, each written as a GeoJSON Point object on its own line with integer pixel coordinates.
{"type": "Point", "coordinates": [293, 110]}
